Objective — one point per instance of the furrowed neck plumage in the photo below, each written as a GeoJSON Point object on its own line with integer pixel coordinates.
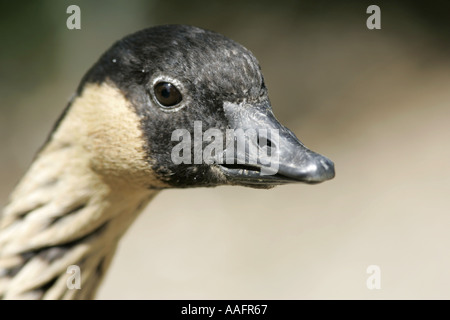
{"type": "Point", "coordinates": [82, 192]}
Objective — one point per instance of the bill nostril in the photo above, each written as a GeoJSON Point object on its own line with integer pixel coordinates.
{"type": "Point", "coordinates": [264, 142]}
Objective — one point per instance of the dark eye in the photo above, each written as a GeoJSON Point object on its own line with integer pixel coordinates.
{"type": "Point", "coordinates": [167, 94]}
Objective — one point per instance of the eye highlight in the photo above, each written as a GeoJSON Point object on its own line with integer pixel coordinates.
{"type": "Point", "coordinates": [167, 94]}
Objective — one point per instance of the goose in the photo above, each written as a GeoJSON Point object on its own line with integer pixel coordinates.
{"type": "Point", "coordinates": [111, 152]}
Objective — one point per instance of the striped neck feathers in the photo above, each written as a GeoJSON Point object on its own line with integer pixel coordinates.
{"type": "Point", "coordinates": [82, 192]}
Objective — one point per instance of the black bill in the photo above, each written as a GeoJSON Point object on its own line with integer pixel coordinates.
{"type": "Point", "coordinates": [276, 156]}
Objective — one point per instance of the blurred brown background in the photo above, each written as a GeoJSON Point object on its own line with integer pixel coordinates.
{"type": "Point", "coordinates": [377, 102]}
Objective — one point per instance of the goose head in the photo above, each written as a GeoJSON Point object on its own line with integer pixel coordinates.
{"type": "Point", "coordinates": [195, 93]}
{"type": "Point", "coordinates": [167, 107]}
